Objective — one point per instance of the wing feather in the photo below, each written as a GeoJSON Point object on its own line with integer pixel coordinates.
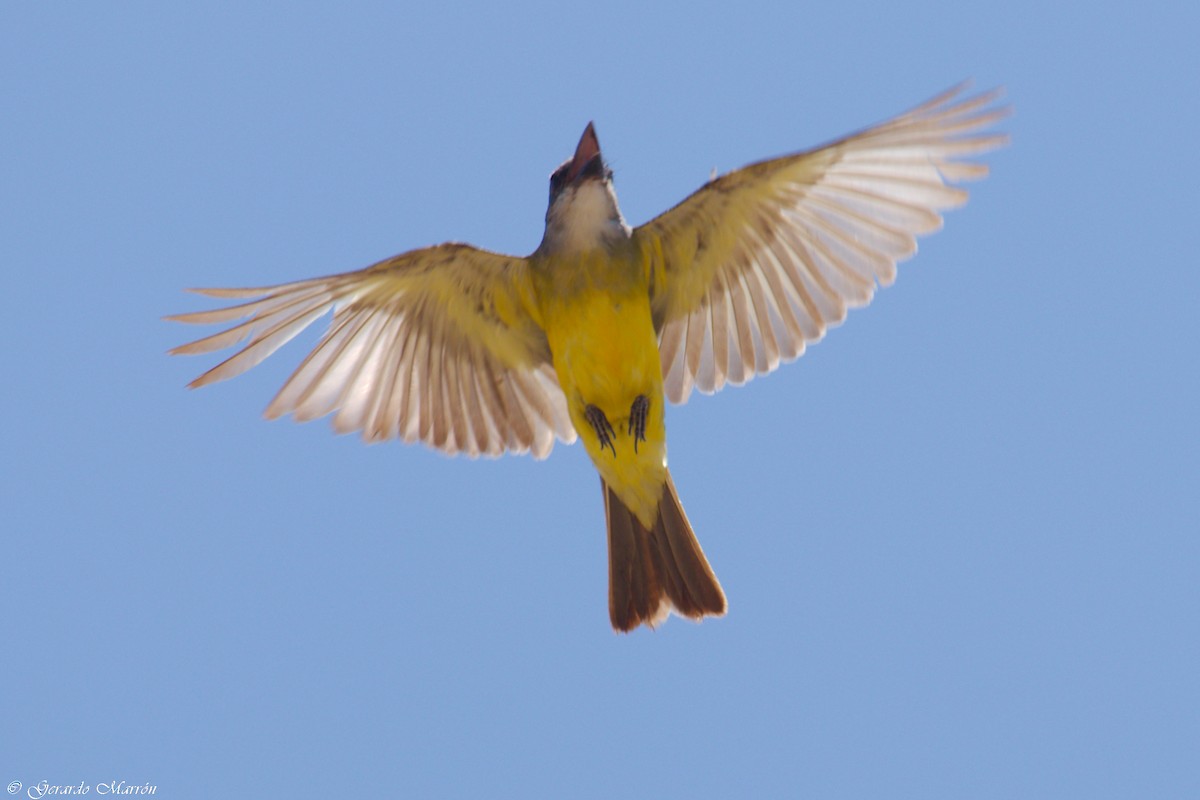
{"type": "Point", "coordinates": [720, 330]}
{"type": "Point", "coordinates": [497, 439]}
{"type": "Point", "coordinates": [765, 351]}
{"type": "Point", "coordinates": [762, 261]}
{"type": "Point", "coordinates": [453, 398]}
{"type": "Point", "coordinates": [440, 344]}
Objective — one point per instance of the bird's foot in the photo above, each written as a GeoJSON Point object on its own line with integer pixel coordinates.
{"type": "Point", "coordinates": [604, 429]}
{"type": "Point", "coordinates": [637, 419]}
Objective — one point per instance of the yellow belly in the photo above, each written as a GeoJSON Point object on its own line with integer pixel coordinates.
{"type": "Point", "coordinates": [606, 355]}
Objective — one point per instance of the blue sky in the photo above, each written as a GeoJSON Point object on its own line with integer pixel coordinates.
{"type": "Point", "coordinates": [959, 536]}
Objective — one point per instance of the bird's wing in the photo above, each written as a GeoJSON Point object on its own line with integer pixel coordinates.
{"type": "Point", "coordinates": [759, 262]}
{"type": "Point", "coordinates": [439, 345]}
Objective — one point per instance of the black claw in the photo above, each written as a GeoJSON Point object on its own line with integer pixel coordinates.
{"type": "Point", "coordinates": [604, 429]}
{"type": "Point", "coordinates": [637, 419]}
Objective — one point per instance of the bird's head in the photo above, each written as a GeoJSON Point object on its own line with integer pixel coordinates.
{"type": "Point", "coordinates": [583, 210]}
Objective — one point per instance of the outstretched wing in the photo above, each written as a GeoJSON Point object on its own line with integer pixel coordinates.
{"type": "Point", "coordinates": [761, 261]}
{"type": "Point", "coordinates": [439, 344]}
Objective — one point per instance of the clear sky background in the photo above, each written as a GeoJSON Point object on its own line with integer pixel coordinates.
{"type": "Point", "coordinates": [960, 537]}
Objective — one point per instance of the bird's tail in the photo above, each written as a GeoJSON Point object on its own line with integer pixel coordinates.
{"type": "Point", "coordinates": [652, 572]}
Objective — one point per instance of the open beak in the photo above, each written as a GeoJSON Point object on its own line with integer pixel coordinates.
{"type": "Point", "coordinates": [589, 148]}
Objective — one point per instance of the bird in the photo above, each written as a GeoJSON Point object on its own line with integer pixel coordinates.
{"type": "Point", "coordinates": [478, 353]}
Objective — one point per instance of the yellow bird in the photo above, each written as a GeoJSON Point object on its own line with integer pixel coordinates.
{"type": "Point", "coordinates": [474, 352]}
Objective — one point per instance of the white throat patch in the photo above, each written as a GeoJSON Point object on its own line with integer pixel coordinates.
{"type": "Point", "coordinates": [584, 217]}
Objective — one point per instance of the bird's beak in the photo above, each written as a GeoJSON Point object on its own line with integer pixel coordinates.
{"type": "Point", "coordinates": [589, 148]}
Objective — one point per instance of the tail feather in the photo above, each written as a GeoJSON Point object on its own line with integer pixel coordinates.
{"type": "Point", "coordinates": [651, 573]}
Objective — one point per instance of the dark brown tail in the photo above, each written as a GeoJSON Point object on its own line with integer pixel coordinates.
{"type": "Point", "coordinates": [656, 571]}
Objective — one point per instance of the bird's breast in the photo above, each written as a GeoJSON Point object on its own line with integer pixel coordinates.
{"type": "Point", "coordinates": [596, 313]}
{"type": "Point", "coordinates": [597, 321]}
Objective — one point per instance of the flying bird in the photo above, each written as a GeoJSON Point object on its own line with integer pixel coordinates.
{"type": "Point", "coordinates": [475, 352]}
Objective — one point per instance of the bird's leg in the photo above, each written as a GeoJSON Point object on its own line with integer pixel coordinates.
{"type": "Point", "coordinates": [637, 419]}
{"type": "Point", "coordinates": [604, 429]}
